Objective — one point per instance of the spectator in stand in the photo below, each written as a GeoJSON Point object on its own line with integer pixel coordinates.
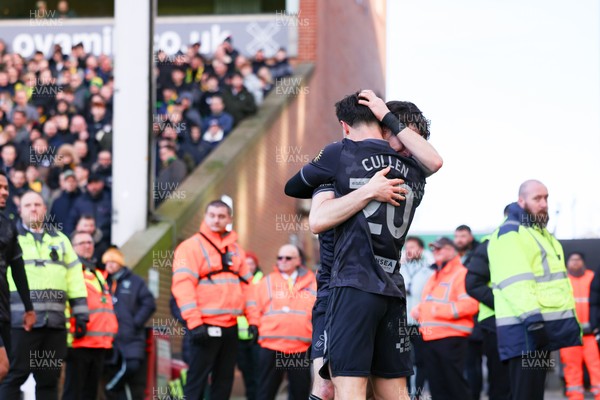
{"type": "Point", "coordinates": [230, 50]}
{"type": "Point", "coordinates": [5, 85]}
{"type": "Point", "coordinates": [220, 70]}
{"type": "Point", "coordinates": [190, 147]}
{"type": "Point", "coordinates": [20, 103]}
{"type": "Point", "coordinates": [78, 55]}
{"type": "Point", "coordinates": [134, 305]}
{"type": "Point", "coordinates": [105, 69]}
{"type": "Point", "coordinates": [82, 174]}
{"type": "Point", "coordinates": [79, 129]}
{"type": "Point", "coordinates": [45, 90]}
{"type": "Point", "coordinates": [18, 183]}
{"type": "Point", "coordinates": [171, 174]}
{"type": "Point", "coordinates": [238, 100]}
{"type": "Point", "coordinates": [281, 68]}
{"type": "Point", "coordinates": [259, 61]}
{"type": "Point", "coordinates": [66, 159]}
{"type": "Point", "coordinates": [62, 205]}
{"type": "Point", "coordinates": [96, 201]}
{"type": "Point", "coordinates": [87, 224]}
{"type": "Point", "coordinates": [195, 70]}
{"type": "Point", "coordinates": [32, 175]}
{"type": "Point", "coordinates": [218, 113]}
{"type": "Point", "coordinates": [25, 148]}
{"type": "Point", "coordinates": [103, 167]}
{"type": "Point", "coordinates": [8, 156]}
{"type": "Point", "coordinates": [19, 120]}
{"type": "Point", "coordinates": [99, 123]}
{"type": "Point", "coordinates": [41, 11]}
{"type": "Point", "coordinates": [57, 62]}
{"type": "Point", "coordinates": [64, 11]}
{"type": "Point", "coordinates": [82, 151]}
{"type": "Point", "coordinates": [178, 80]}
{"type": "Point", "coordinates": [266, 79]}
{"type": "Point", "coordinates": [252, 83]}
{"type": "Point", "coordinates": [50, 131]}
{"type": "Point", "coordinates": [213, 136]}
{"type": "Point", "coordinates": [41, 155]}
{"type": "Point", "coordinates": [80, 91]}
{"type": "Point", "coordinates": [212, 89]}
{"type": "Point", "coordinates": [188, 113]}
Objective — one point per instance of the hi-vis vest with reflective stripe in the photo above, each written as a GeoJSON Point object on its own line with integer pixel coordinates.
{"type": "Point", "coordinates": [51, 283]}
{"type": "Point", "coordinates": [242, 321]}
{"type": "Point", "coordinates": [283, 314]}
{"type": "Point", "coordinates": [530, 285]}
{"type": "Point", "coordinates": [446, 310]}
{"type": "Point", "coordinates": [102, 326]}
{"type": "Point", "coordinates": [216, 301]}
{"type": "Point", "coordinates": [581, 290]}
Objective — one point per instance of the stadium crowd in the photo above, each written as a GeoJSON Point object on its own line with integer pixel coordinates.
{"type": "Point", "coordinates": [55, 183]}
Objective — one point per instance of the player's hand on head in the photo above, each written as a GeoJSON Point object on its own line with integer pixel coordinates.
{"type": "Point", "coordinates": [377, 105]}
{"type": "Point", "coordinates": [386, 190]}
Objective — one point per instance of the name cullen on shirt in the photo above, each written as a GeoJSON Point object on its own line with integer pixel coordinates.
{"type": "Point", "coordinates": [381, 161]}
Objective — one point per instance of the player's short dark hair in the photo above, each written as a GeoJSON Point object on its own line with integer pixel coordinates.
{"type": "Point", "coordinates": [219, 203]}
{"type": "Point", "coordinates": [86, 216]}
{"type": "Point", "coordinates": [576, 253]}
{"type": "Point", "coordinates": [408, 113]}
{"type": "Point", "coordinates": [2, 173]}
{"type": "Point", "coordinates": [352, 113]}
{"type": "Point", "coordinates": [416, 239]}
{"type": "Point", "coordinates": [463, 228]}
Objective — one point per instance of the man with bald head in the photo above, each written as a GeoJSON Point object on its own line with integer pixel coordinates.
{"type": "Point", "coordinates": [282, 310]}
{"type": "Point", "coordinates": [54, 275]}
{"type": "Point", "coordinates": [533, 299]}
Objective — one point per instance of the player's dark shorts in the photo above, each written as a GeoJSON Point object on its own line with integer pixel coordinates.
{"type": "Point", "coordinates": [317, 348]}
{"type": "Point", "coordinates": [367, 335]}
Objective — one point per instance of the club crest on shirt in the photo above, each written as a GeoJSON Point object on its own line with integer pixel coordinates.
{"type": "Point", "coordinates": [318, 157]}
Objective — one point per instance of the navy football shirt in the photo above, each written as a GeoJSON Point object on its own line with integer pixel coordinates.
{"type": "Point", "coordinates": [326, 252]}
{"type": "Point", "coordinates": [368, 245]}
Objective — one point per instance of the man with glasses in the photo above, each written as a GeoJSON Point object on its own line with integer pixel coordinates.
{"type": "Point", "coordinates": [283, 312]}
{"type": "Point", "coordinates": [88, 348]}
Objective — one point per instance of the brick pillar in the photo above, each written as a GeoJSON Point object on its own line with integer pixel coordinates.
{"type": "Point", "coordinates": [307, 30]}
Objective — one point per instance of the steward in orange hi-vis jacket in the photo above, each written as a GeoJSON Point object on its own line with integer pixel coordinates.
{"type": "Point", "coordinates": [574, 357]}
{"type": "Point", "coordinates": [445, 316]}
{"type": "Point", "coordinates": [210, 281]}
{"type": "Point", "coordinates": [282, 309]}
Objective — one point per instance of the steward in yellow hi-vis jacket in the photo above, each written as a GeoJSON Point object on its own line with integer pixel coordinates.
{"type": "Point", "coordinates": [54, 276]}
{"type": "Point", "coordinates": [533, 299]}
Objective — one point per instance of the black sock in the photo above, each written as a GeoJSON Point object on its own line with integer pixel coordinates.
{"type": "Point", "coordinates": [313, 397]}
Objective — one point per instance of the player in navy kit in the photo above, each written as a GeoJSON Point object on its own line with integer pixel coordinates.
{"type": "Point", "coordinates": [367, 301]}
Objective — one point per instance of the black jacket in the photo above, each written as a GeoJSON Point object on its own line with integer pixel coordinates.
{"type": "Point", "coordinates": [595, 301]}
{"type": "Point", "coordinates": [478, 279]}
{"type": "Point", "coordinates": [11, 254]}
{"type": "Point", "coordinates": [134, 305]}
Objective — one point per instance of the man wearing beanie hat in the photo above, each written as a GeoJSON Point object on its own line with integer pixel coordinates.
{"type": "Point", "coordinates": [134, 305]}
